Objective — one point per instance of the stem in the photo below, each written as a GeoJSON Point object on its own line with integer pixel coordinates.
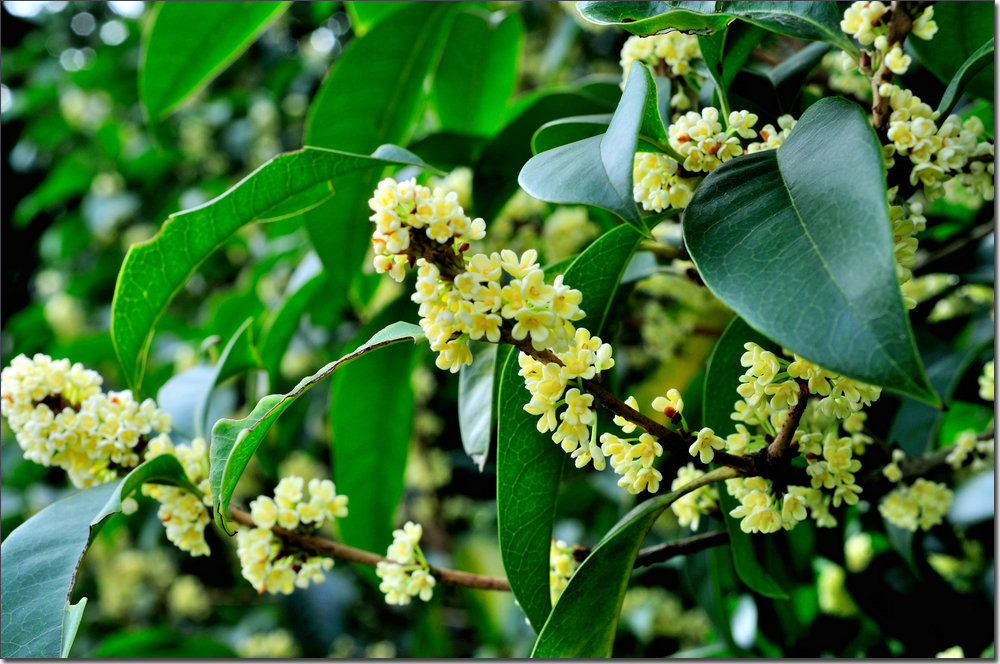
{"type": "Point", "coordinates": [326, 547]}
{"type": "Point", "coordinates": [776, 450]}
{"type": "Point", "coordinates": [661, 552]}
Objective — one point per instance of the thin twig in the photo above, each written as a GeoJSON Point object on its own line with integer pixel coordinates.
{"type": "Point", "coordinates": [683, 547]}
{"type": "Point", "coordinates": [779, 446]}
{"type": "Point", "coordinates": [326, 547]}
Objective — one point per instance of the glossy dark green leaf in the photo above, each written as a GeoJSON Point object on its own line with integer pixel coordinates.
{"type": "Point", "coordinates": [646, 18]}
{"type": "Point", "coordinates": [529, 464]}
{"type": "Point", "coordinates": [963, 28]}
{"type": "Point", "coordinates": [797, 241]}
{"type": "Point", "coordinates": [476, 391]}
{"type": "Point", "coordinates": [155, 270]}
{"type": "Point", "coordinates": [495, 179]}
{"type": "Point", "coordinates": [569, 130]}
{"type": "Point", "coordinates": [190, 43]}
{"type": "Point", "coordinates": [597, 170]}
{"type": "Point", "coordinates": [235, 441]}
{"type": "Point", "coordinates": [725, 51]}
{"type": "Point", "coordinates": [369, 462]}
{"type": "Point", "coordinates": [372, 96]}
{"type": "Point", "coordinates": [805, 20]}
{"type": "Point", "coordinates": [721, 381]}
{"type": "Point", "coordinates": [594, 595]}
{"type": "Point", "coordinates": [40, 559]}
{"type": "Point", "coordinates": [478, 71]}
{"type": "Point", "coordinates": [969, 69]}
{"type": "Point", "coordinates": [789, 75]}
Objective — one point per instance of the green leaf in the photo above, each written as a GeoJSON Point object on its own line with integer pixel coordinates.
{"type": "Point", "coordinates": [963, 28]}
{"type": "Point", "coordinates": [187, 395]}
{"type": "Point", "coordinates": [478, 71]}
{"type": "Point", "coordinates": [976, 63]}
{"type": "Point", "coordinates": [647, 18]}
{"type": "Point", "coordinates": [798, 242]}
{"type": "Point", "coordinates": [494, 181]}
{"type": "Point", "coordinates": [160, 643]}
{"type": "Point", "coordinates": [529, 464]}
{"type": "Point", "coordinates": [569, 130]}
{"type": "Point", "coordinates": [373, 95]}
{"type": "Point", "coordinates": [598, 170]}
{"type": "Point", "coordinates": [364, 15]}
{"type": "Point", "coordinates": [306, 285]}
{"type": "Point", "coordinates": [154, 271]}
{"type": "Point", "coordinates": [70, 176]}
{"type": "Point", "coordinates": [725, 51]}
{"type": "Point", "coordinates": [476, 392]}
{"type": "Point", "coordinates": [371, 423]}
{"type": "Point", "coordinates": [235, 441]}
{"type": "Point", "coordinates": [789, 75]}
{"type": "Point", "coordinates": [721, 381]}
{"type": "Point", "coordinates": [594, 595]}
{"type": "Point", "coordinates": [805, 20]}
{"type": "Point", "coordinates": [190, 43]}
{"type": "Point", "coordinates": [40, 559]}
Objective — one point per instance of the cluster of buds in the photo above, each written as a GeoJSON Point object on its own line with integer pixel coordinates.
{"type": "Point", "coordinates": [184, 514]}
{"type": "Point", "coordinates": [674, 49]}
{"type": "Point", "coordinates": [272, 563]}
{"type": "Point", "coordinates": [922, 504]}
{"type": "Point", "coordinates": [937, 153]}
{"type": "Point", "coordinates": [60, 417]}
{"type": "Point", "coordinates": [657, 184]}
{"type": "Point", "coordinates": [968, 445]}
{"type": "Point", "coordinates": [700, 139]}
{"type": "Point", "coordinates": [867, 22]}
{"type": "Point", "coordinates": [406, 574]}
{"type": "Point", "coordinates": [562, 564]}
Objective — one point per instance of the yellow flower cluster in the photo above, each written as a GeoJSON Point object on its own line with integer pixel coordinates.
{"type": "Point", "coordinates": [188, 598]}
{"type": "Point", "coordinates": [656, 184]}
{"type": "Point", "coordinates": [399, 208]}
{"type": "Point", "coordinates": [967, 445]}
{"type": "Point", "coordinates": [566, 230]}
{"type": "Point", "coordinates": [276, 644]}
{"type": "Point", "coordinates": [865, 21]}
{"type": "Point", "coordinates": [832, 591]}
{"type": "Point", "coordinates": [406, 574]}
{"type": "Point", "coordinates": [828, 437]}
{"type": "Point", "coordinates": [60, 417]}
{"type": "Point", "coordinates": [907, 220]}
{"type": "Point", "coordinates": [689, 507]}
{"type": "Point", "coordinates": [987, 382]}
{"type": "Point", "coordinates": [266, 563]}
{"type": "Point", "coordinates": [773, 138]}
{"type": "Point", "coordinates": [562, 564]}
{"type": "Point", "coordinates": [675, 49]}
{"type": "Point", "coordinates": [922, 504]}
{"type": "Point", "coordinates": [699, 138]}
{"type": "Point", "coordinates": [184, 514]}
{"type": "Point", "coordinates": [938, 154]}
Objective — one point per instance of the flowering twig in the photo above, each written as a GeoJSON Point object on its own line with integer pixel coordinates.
{"type": "Point", "coordinates": [900, 24]}
{"type": "Point", "coordinates": [327, 547]}
{"type": "Point", "coordinates": [776, 450]}
{"type": "Point", "coordinates": [682, 547]}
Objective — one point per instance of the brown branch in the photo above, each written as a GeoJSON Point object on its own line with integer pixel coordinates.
{"type": "Point", "coordinates": [900, 24]}
{"type": "Point", "coordinates": [694, 544]}
{"type": "Point", "coordinates": [326, 547]}
{"type": "Point", "coordinates": [779, 446]}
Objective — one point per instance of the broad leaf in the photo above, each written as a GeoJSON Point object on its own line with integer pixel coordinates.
{"type": "Point", "coordinates": [307, 283]}
{"type": "Point", "coordinates": [647, 18]}
{"type": "Point", "coordinates": [155, 270]}
{"type": "Point", "coordinates": [789, 75]}
{"type": "Point", "coordinates": [976, 63]}
{"type": "Point", "coordinates": [963, 28]}
{"type": "Point", "coordinates": [798, 242]}
{"type": "Point", "coordinates": [190, 43]}
{"type": "Point", "coordinates": [494, 181]}
{"type": "Point", "coordinates": [235, 441]}
{"type": "Point", "coordinates": [598, 170]}
{"type": "Point", "coordinates": [371, 424]}
{"type": "Point", "coordinates": [40, 559]}
{"type": "Point", "coordinates": [569, 130]}
{"type": "Point", "coordinates": [187, 396]}
{"type": "Point", "coordinates": [584, 620]}
{"type": "Point", "coordinates": [373, 95]}
{"type": "Point", "coordinates": [476, 392]}
{"type": "Point", "coordinates": [364, 15]}
{"type": "Point", "coordinates": [529, 464]}
{"type": "Point", "coordinates": [478, 71]}
{"type": "Point", "coordinates": [721, 381]}
{"type": "Point", "coordinates": [725, 51]}
{"type": "Point", "coordinates": [805, 20]}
